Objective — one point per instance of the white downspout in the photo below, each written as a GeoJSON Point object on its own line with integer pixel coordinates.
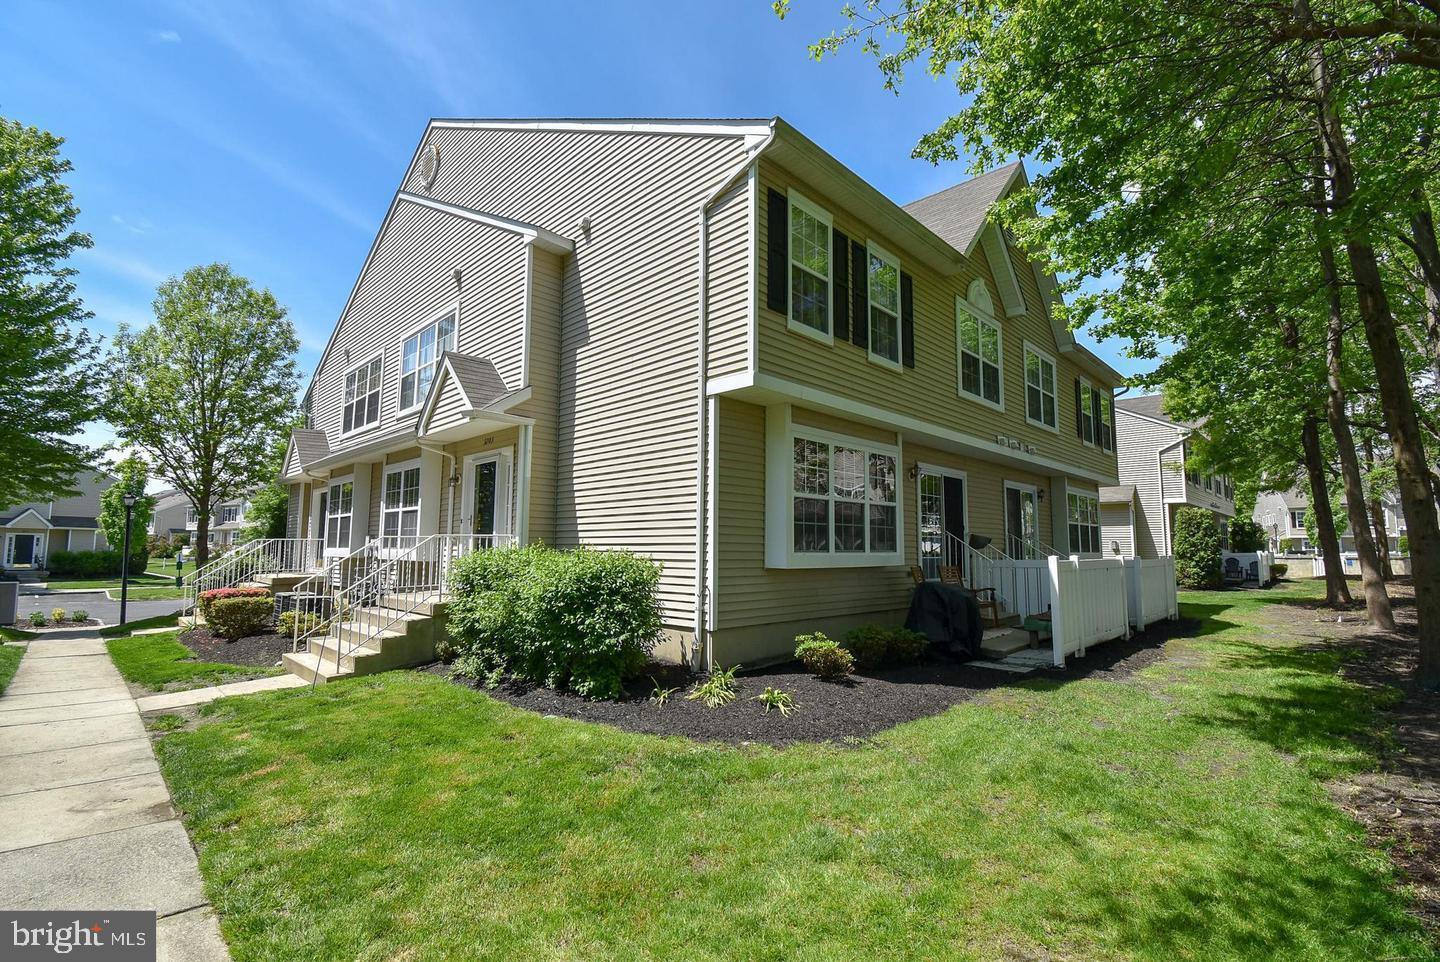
{"type": "Point", "coordinates": [701, 640]}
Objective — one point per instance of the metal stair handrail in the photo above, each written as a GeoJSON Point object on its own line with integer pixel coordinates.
{"type": "Point", "coordinates": [315, 599]}
{"type": "Point", "coordinates": [244, 562]}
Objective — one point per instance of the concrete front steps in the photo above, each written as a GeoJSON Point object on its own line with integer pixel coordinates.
{"type": "Point", "coordinates": [375, 639]}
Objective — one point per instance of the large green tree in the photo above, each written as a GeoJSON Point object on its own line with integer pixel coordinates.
{"type": "Point", "coordinates": [131, 476]}
{"type": "Point", "coordinates": [1157, 120]}
{"type": "Point", "coordinates": [205, 389]}
{"type": "Point", "coordinates": [46, 356]}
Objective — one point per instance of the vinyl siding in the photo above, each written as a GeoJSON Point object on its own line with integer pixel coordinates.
{"type": "Point", "coordinates": [86, 503]}
{"type": "Point", "coordinates": [1115, 526]}
{"type": "Point", "coordinates": [1139, 443]}
{"type": "Point", "coordinates": [450, 406]}
{"type": "Point", "coordinates": [728, 296]}
{"type": "Point", "coordinates": [409, 281]}
{"type": "Point", "coordinates": [626, 416]}
{"type": "Point", "coordinates": [759, 610]}
{"type": "Point", "coordinates": [293, 511]}
{"type": "Point", "coordinates": [930, 390]}
{"type": "Point", "coordinates": [547, 282]}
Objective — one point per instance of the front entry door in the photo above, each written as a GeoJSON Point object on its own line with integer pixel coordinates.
{"type": "Point", "coordinates": [24, 549]}
{"type": "Point", "coordinates": [1022, 533]}
{"type": "Point", "coordinates": [487, 495]}
{"type": "Point", "coordinates": [942, 521]}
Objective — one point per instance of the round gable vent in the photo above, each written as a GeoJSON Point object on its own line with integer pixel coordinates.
{"type": "Point", "coordinates": [429, 165]}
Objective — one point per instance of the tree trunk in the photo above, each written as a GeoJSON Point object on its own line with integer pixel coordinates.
{"type": "Point", "coordinates": [1377, 516]}
{"type": "Point", "coordinates": [1427, 252]}
{"type": "Point", "coordinates": [203, 504]}
{"type": "Point", "coordinates": [1377, 602]}
{"type": "Point", "coordinates": [1337, 592]}
{"type": "Point", "coordinates": [1411, 467]}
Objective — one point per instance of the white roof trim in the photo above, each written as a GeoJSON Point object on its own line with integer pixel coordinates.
{"type": "Point", "coordinates": [620, 125]}
{"type": "Point", "coordinates": [997, 252]}
{"type": "Point", "coordinates": [432, 396]}
{"type": "Point", "coordinates": [15, 521]}
{"type": "Point", "coordinates": [539, 236]}
{"type": "Point", "coordinates": [1179, 429]}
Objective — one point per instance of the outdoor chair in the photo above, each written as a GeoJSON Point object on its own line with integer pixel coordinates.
{"type": "Point", "coordinates": [1233, 572]}
{"type": "Point", "coordinates": [984, 597]}
{"type": "Point", "coordinates": [917, 574]}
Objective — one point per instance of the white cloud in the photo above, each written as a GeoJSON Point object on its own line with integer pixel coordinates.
{"type": "Point", "coordinates": [140, 226]}
{"type": "Point", "coordinates": [168, 36]}
{"type": "Point", "coordinates": [121, 265]}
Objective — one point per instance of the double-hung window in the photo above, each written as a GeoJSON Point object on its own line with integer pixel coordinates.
{"type": "Point", "coordinates": [1107, 428]}
{"type": "Point", "coordinates": [338, 511]}
{"type": "Point", "coordinates": [884, 307]}
{"type": "Point", "coordinates": [977, 337]}
{"type": "Point", "coordinates": [362, 396]}
{"type": "Point", "coordinates": [1084, 513]}
{"type": "Point", "coordinates": [229, 514]}
{"type": "Point", "coordinates": [1040, 389]}
{"type": "Point", "coordinates": [419, 356]}
{"type": "Point", "coordinates": [844, 498]}
{"type": "Point", "coordinates": [810, 267]}
{"type": "Point", "coordinates": [1087, 412]}
{"type": "Point", "coordinates": [400, 505]}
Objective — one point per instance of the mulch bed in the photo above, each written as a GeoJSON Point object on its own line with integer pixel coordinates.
{"type": "Point", "coordinates": [1399, 803]}
{"type": "Point", "coordinates": [825, 711]}
{"type": "Point", "coordinates": [52, 626]}
{"type": "Point", "coordinates": [259, 651]}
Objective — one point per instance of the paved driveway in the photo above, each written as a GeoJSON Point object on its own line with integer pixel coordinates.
{"type": "Point", "coordinates": [96, 603]}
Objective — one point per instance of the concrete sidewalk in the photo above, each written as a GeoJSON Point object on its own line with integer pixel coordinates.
{"type": "Point", "coordinates": [86, 814]}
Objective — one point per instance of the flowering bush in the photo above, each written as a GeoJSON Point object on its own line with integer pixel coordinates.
{"type": "Point", "coordinates": [208, 598]}
{"type": "Point", "coordinates": [239, 616]}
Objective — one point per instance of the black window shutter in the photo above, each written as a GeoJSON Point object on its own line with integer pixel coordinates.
{"type": "Point", "coordinates": [1079, 420]}
{"type": "Point", "coordinates": [907, 319]}
{"type": "Point", "coordinates": [841, 271]}
{"type": "Point", "coordinates": [777, 253]}
{"type": "Point", "coordinates": [859, 295]}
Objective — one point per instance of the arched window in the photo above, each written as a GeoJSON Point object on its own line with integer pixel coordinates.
{"type": "Point", "coordinates": [978, 342]}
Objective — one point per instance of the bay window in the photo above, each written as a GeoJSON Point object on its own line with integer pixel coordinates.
{"type": "Point", "coordinates": [843, 499]}
{"type": "Point", "coordinates": [419, 356]}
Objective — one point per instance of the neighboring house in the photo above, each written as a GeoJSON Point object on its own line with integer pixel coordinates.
{"type": "Point", "coordinates": [1282, 516]}
{"type": "Point", "coordinates": [33, 531]}
{"type": "Point", "coordinates": [172, 511]}
{"type": "Point", "coordinates": [225, 523]}
{"type": "Point", "coordinates": [1154, 463]}
{"type": "Point", "coordinates": [522, 358]}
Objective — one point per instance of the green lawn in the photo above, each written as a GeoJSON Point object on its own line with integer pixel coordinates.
{"type": "Point", "coordinates": [16, 634]}
{"type": "Point", "coordinates": [161, 663]}
{"type": "Point", "coordinates": [10, 656]}
{"type": "Point", "coordinates": [147, 593]}
{"type": "Point", "coordinates": [1179, 815]}
{"type": "Point", "coordinates": [159, 621]}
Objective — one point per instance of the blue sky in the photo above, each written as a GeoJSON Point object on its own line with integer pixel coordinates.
{"type": "Point", "coordinates": [272, 135]}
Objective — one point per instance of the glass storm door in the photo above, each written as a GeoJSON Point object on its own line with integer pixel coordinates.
{"type": "Point", "coordinates": [942, 522]}
{"type": "Point", "coordinates": [487, 498]}
{"type": "Point", "coordinates": [1021, 523]}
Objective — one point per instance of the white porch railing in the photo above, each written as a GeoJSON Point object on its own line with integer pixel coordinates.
{"type": "Point", "coordinates": [390, 578]}
{"type": "Point", "coordinates": [1151, 590]}
{"type": "Point", "coordinates": [1089, 603]}
{"type": "Point", "coordinates": [245, 562]}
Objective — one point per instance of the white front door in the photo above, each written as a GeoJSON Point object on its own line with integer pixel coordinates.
{"type": "Point", "coordinates": [485, 507]}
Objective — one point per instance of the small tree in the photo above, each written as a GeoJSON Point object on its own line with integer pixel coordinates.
{"type": "Point", "coordinates": [133, 474]}
{"type": "Point", "coordinates": [205, 389]}
{"type": "Point", "coordinates": [1246, 535]}
{"type": "Point", "coordinates": [1197, 549]}
{"type": "Point", "coordinates": [266, 515]}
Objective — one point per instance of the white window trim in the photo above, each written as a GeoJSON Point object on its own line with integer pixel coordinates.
{"type": "Point", "coordinates": [827, 336]}
{"type": "Point", "coordinates": [780, 434]}
{"type": "Point", "coordinates": [1034, 493]}
{"type": "Point", "coordinates": [339, 551]}
{"type": "Point", "coordinates": [400, 467]}
{"type": "Point", "coordinates": [379, 387]}
{"type": "Point", "coordinates": [963, 304]}
{"type": "Point", "coordinates": [1107, 397]}
{"type": "Point", "coordinates": [923, 468]}
{"type": "Point", "coordinates": [1087, 399]}
{"type": "Point", "coordinates": [1099, 524]}
{"type": "Point", "coordinates": [872, 248]}
{"type": "Point", "coordinates": [1029, 349]}
{"type": "Point", "coordinates": [434, 318]}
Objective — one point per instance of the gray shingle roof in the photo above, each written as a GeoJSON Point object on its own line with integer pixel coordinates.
{"type": "Point", "coordinates": [73, 521]}
{"type": "Point", "coordinates": [958, 213]}
{"type": "Point", "coordinates": [310, 445]}
{"type": "Point", "coordinates": [477, 377]}
{"type": "Point", "coordinates": [1152, 406]}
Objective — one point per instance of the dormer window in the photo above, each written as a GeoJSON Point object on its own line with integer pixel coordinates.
{"type": "Point", "coordinates": [419, 356]}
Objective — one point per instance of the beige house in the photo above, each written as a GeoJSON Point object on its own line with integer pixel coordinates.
{"type": "Point", "coordinates": [711, 343]}
{"type": "Point", "coordinates": [29, 533]}
{"type": "Point", "coordinates": [226, 521]}
{"type": "Point", "coordinates": [1157, 480]}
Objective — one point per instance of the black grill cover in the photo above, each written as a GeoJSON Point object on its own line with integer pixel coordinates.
{"type": "Point", "coordinates": [948, 616]}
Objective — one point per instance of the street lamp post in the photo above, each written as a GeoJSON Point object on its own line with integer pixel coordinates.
{"type": "Point", "coordinates": [129, 500]}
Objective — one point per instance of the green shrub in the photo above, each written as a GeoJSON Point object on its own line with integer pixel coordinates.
{"type": "Point", "coordinates": [1197, 549]}
{"type": "Point", "coordinates": [718, 688]}
{"type": "Point", "coordinates": [822, 657]}
{"type": "Point", "coordinates": [1278, 569]}
{"type": "Point", "coordinates": [1246, 535]}
{"type": "Point", "coordinates": [1402, 545]}
{"type": "Point", "coordinates": [57, 615]}
{"type": "Point", "coordinates": [93, 564]}
{"type": "Point", "coordinates": [308, 622]}
{"type": "Point", "coordinates": [79, 614]}
{"type": "Point", "coordinates": [583, 620]}
{"type": "Point", "coordinates": [776, 698]}
{"type": "Point", "coordinates": [874, 646]}
{"type": "Point", "coordinates": [233, 618]}
{"type": "Point", "coordinates": [207, 599]}
{"type": "Point", "coordinates": [37, 619]}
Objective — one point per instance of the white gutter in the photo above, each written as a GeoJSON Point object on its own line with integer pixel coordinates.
{"type": "Point", "coordinates": [701, 640]}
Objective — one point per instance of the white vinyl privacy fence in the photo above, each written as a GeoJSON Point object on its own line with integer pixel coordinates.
{"type": "Point", "coordinates": [1151, 590]}
{"type": "Point", "coordinates": [1252, 565]}
{"type": "Point", "coordinates": [1089, 603]}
